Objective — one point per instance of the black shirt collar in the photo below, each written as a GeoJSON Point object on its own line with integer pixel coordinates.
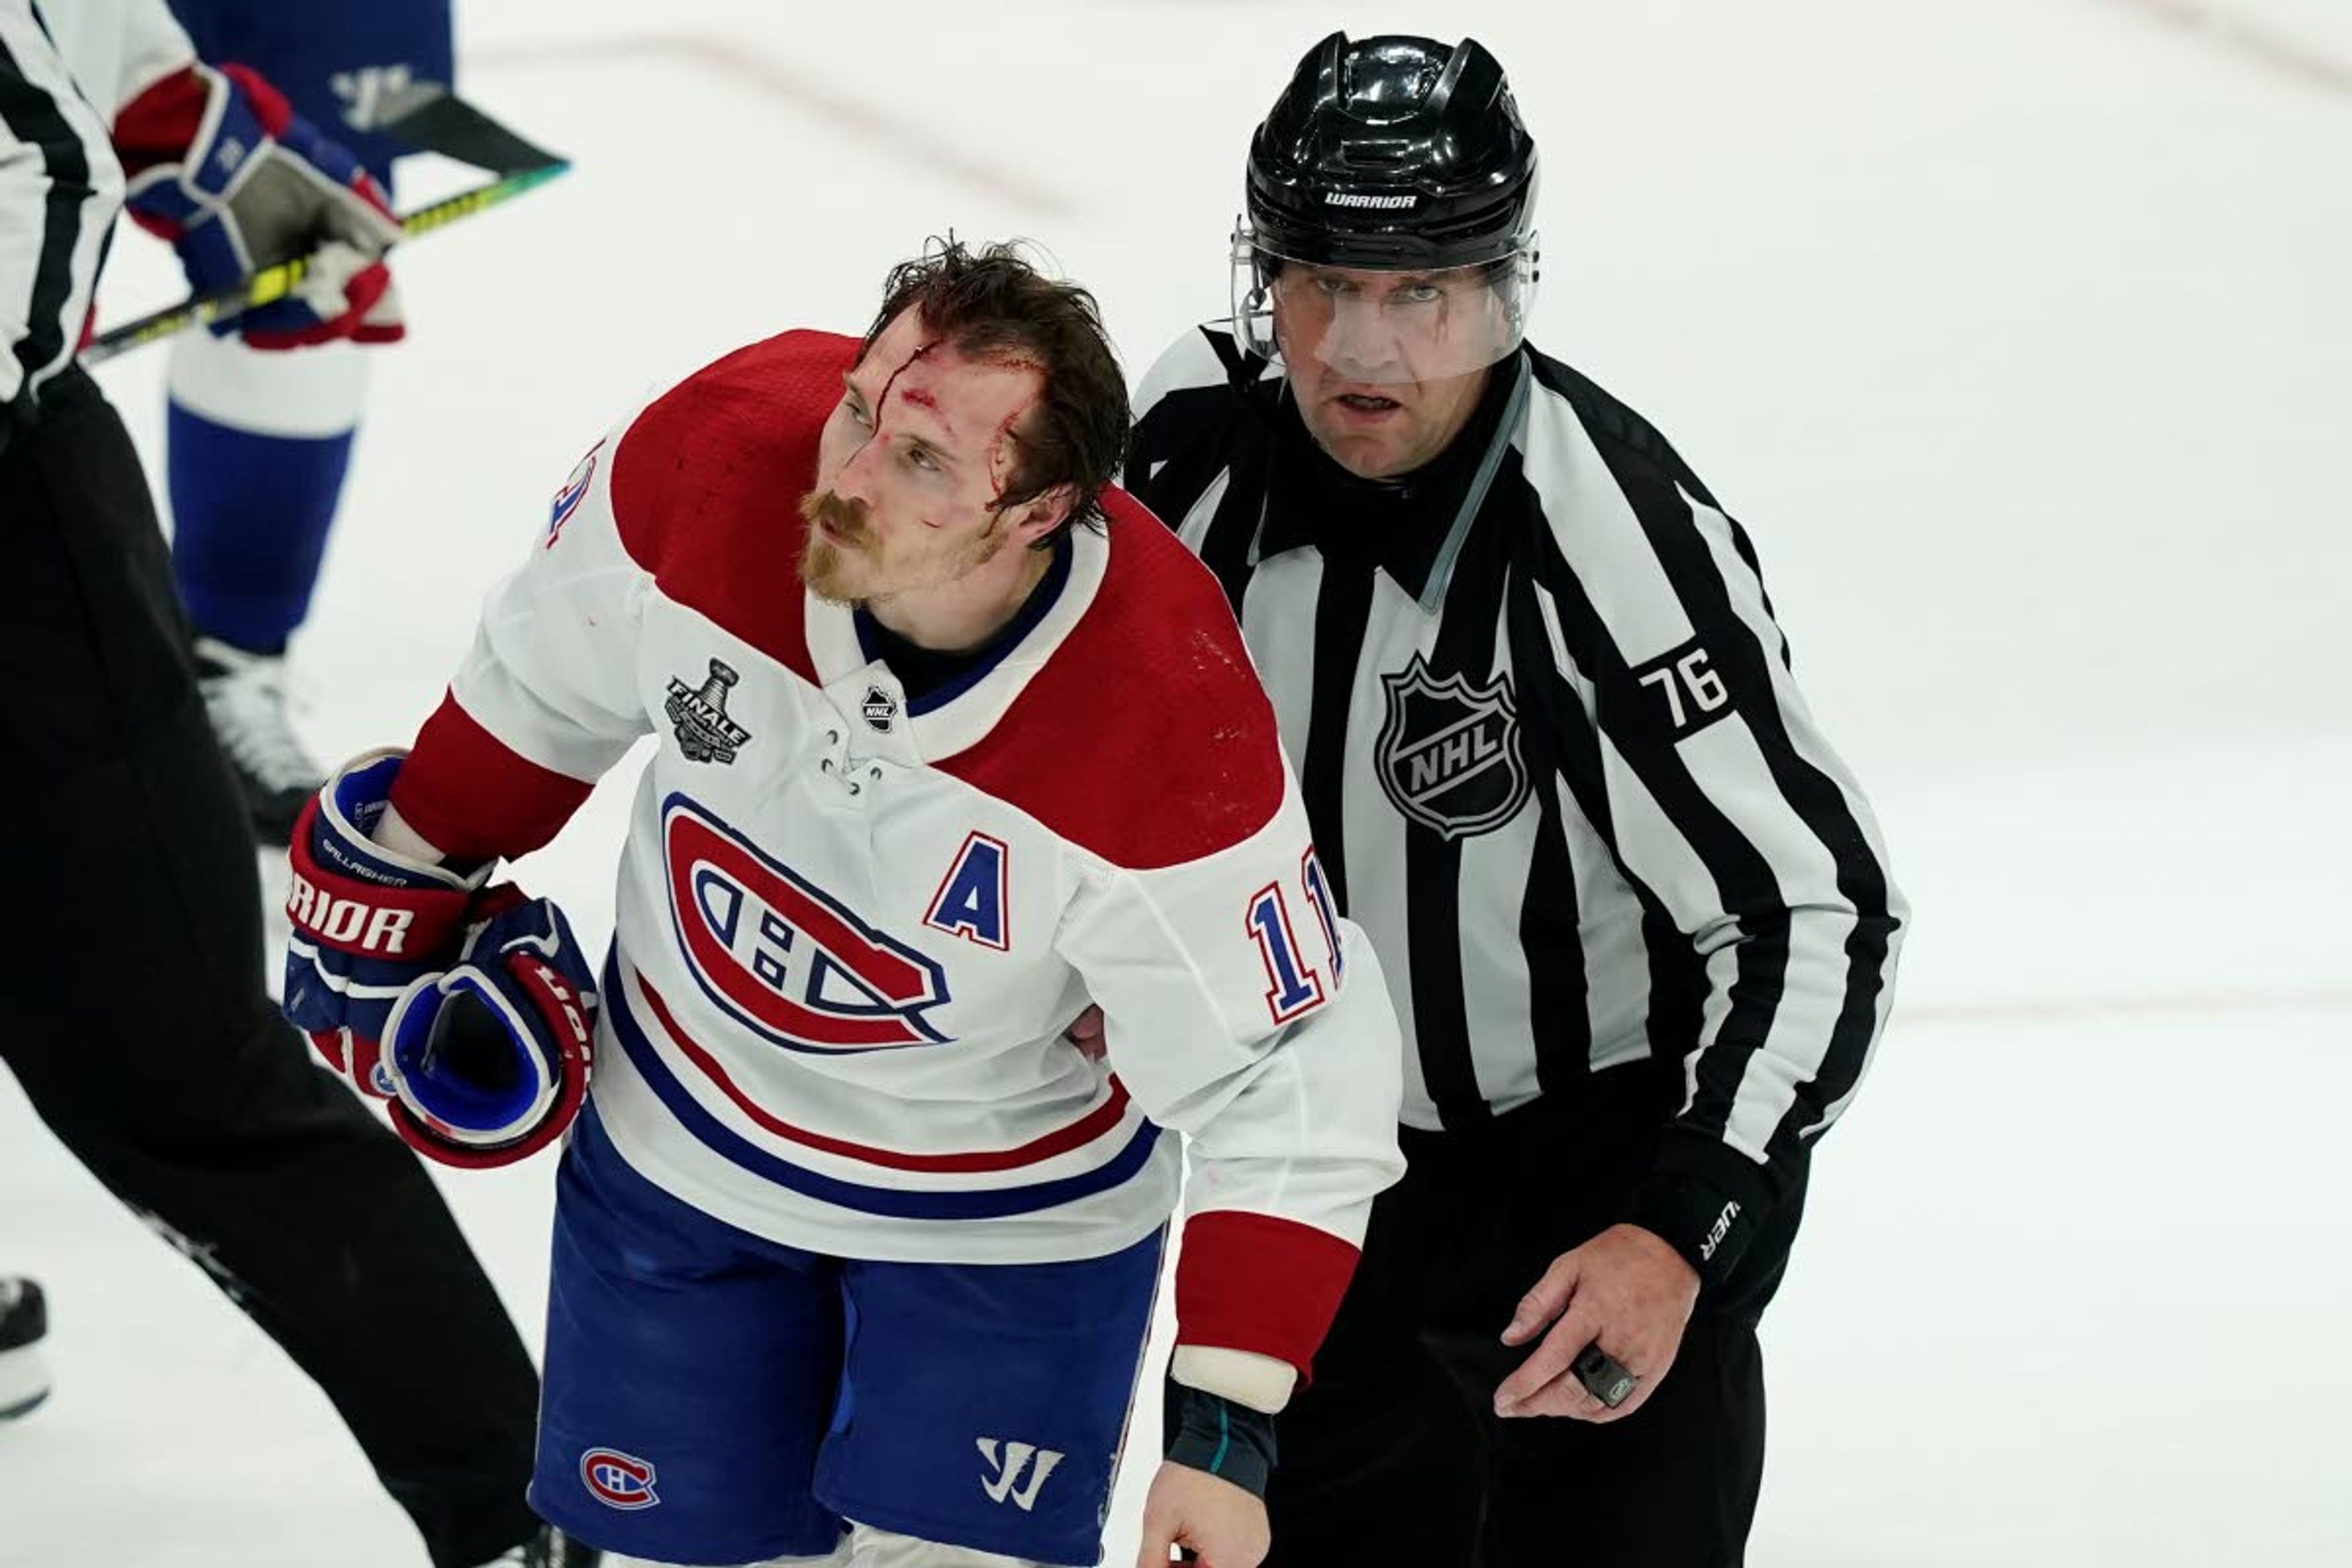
{"type": "Point", "coordinates": [931, 678]}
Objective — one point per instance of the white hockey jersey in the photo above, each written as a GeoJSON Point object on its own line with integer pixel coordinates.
{"type": "Point", "coordinates": [852, 926]}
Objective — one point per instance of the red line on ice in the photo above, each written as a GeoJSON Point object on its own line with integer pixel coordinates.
{"type": "Point", "coordinates": [2276, 50]}
{"type": "Point", "coordinates": [739, 62]}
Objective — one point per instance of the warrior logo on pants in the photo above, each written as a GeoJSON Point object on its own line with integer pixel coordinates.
{"type": "Point", "coordinates": [1004, 1479]}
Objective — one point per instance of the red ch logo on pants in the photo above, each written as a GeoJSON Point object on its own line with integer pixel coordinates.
{"type": "Point", "coordinates": [617, 1479]}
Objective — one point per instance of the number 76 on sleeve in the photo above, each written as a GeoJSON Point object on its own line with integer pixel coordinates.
{"type": "Point", "coordinates": [1693, 693]}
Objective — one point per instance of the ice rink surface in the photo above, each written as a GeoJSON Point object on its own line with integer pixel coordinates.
{"type": "Point", "coordinates": [2018, 332]}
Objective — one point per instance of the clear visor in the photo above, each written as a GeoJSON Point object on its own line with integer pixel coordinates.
{"type": "Point", "coordinates": [1381, 328]}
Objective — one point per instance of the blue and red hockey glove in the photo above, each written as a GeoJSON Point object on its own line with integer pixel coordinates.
{"type": "Point", "coordinates": [470, 1009]}
{"type": "Point", "coordinates": [222, 166]}
{"type": "Point", "coordinates": [489, 1059]}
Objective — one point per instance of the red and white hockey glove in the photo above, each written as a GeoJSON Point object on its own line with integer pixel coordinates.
{"type": "Point", "coordinates": [471, 1009]}
{"type": "Point", "coordinates": [222, 166]}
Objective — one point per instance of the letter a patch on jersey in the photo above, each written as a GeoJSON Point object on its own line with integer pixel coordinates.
{"type": "Point", "coordinates": [972, 899]}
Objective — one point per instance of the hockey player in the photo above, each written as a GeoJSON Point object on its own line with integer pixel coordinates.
{"type": "Point", "coordinates": [257, 439]}
{"type": "Point", "coordinates": [136, 1022]}
{"type": "Point", "coordinates": [1633, 911]}
{"type": "Point", "coordinates": [24, 1322]}
{"type": "Point", "coordinates": [855, 1254]}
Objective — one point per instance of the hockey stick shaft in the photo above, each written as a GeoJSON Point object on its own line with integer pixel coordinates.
{"type": "Point", "coordinates": [273, 283]}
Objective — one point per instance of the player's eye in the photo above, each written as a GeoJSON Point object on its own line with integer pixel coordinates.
{"type": "Point", "coordinates": [856, 412]}
{"type": "Point", "coordinates": [920, 457]}
{"type": "Point", "coordinates": [1421, 293]}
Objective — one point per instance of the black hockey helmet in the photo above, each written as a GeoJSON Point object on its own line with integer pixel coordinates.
{"type": "Point", "coordinates": [1391, 154]}
{"type": "Point", "coordinates": [1394, 152]}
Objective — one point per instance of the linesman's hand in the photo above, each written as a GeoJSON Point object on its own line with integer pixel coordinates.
{"type": "Point", "coordinates": [1626, 1289]}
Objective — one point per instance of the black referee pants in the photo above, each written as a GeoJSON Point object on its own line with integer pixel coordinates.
{"type": "Point", "coordinates": [132, 1009]}
{"type": "Point", "coordinates": [1393, 1456]}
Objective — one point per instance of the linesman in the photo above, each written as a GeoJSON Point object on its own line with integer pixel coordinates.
{"type": "Point", "coordinates": [132, 1009]}
{"type": "Point", "coordinates": [1635, 913]}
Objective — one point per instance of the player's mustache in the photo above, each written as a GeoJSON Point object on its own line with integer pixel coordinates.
{"type": "Point", "coordinates": [845, 518]}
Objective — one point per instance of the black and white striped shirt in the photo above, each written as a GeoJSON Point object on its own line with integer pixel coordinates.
{"type": "Point", "coordinates": [64, 71]}
{"type": "Point", "coordinates": [1556, 761]}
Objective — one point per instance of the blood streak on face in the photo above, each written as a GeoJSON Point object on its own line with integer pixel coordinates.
{"type": "Point", "coordinates": [907, 483]}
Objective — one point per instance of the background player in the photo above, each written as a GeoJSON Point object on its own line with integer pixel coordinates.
{"type": "Point", "coordinates": [848, 1232]}
{"type": "Point", "coordinates": [258, 442]}
{"type": "Point", "coordinates": [24, 1323]}
{"type": "Point", "coordinates": [1633, 909]}
{"type": "Point", "coordinates": [136, 1021]}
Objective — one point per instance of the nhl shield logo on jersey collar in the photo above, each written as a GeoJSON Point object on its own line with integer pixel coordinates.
{"type": "Point", "coordinates": [704, 732]}
{"type": "Point", "coordinates": [1448, 753]}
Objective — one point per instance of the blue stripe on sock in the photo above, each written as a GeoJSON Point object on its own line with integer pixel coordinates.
{"type": "Point", "coordinates": [250, 514]}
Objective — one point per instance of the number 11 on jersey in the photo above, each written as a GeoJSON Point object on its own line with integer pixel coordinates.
{"type": "Point", "coordinates": [1296, 986]}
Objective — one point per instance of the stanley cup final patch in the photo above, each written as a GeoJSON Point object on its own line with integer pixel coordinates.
{"type": "Point", "coordinates": [704, 732]}
{"type": "Point", "coordinates": [1448, 753]}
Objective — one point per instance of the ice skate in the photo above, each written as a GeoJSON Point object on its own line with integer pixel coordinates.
{"type": "Point", "coordinates": [24, 1323]}
{"type": "Point", "coordinates": [244, 696]}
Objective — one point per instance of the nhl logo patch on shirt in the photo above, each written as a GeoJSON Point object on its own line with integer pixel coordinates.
{"type": "Point", "coordinates": [704, 732]}
{"type": "Point", "coordinates": [880, 708]}
{"type": "Point", "coordinates": [1448, 753]}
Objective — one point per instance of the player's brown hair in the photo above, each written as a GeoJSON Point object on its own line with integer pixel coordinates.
{"type": "Point", "coordinates": [994, 304]}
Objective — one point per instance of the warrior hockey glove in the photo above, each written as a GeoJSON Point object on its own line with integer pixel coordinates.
{"type": "Point", "coordinates": [223, 167]}
{"type": "Point", "coordinates": [368, 922]}
{"type": "Point", "coordinates": [489, 1061]}
{"type": "Point", "coordinates": [485, 996]}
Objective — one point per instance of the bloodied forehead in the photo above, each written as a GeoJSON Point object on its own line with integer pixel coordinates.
{"type": "Point", "coordinates": [921, 388]}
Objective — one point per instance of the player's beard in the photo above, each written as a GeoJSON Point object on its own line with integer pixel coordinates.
{"type": "Point", "coordinates": [857, 570]}
{"type": "Point", "coordinates": [825, 567]}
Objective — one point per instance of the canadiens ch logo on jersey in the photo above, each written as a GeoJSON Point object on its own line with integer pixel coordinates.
{"type": "Point", "coordinates": [699, 715]}
{"type": "Point", "coordinates": [617, 1479]}
{"type": "Point", "coordinates": [781, 956]}
{"type": "Point", "coordinates": [1448, 753]}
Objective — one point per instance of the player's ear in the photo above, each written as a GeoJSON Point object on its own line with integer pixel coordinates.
{"type": "Point", "coordinates": [1036, 518]}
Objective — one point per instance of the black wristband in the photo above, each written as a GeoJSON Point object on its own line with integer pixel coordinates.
{"type": "Point", "coordinates": [1230, 1441]}
{"type": "Point", "coordinates": [1704, 1200]}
